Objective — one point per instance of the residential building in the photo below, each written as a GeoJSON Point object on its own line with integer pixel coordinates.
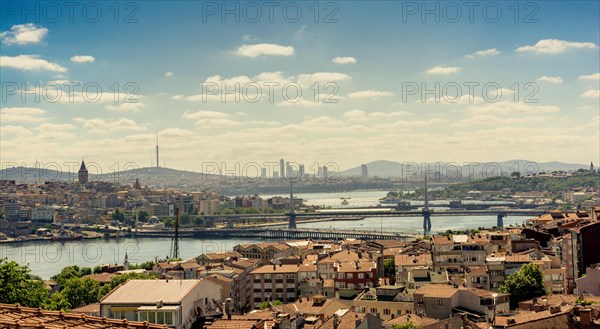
{"type": "Point", "coordinates": [590, 283]}
{"type": "Point", "coordinates": [456, 252]}
{"type": "Point", "coordinates": [176, 303]}
{"type": "Point", "coordinates": [442, 301]}
{"type": "Point", "coordinates": [275, 282]}
{"type": "Point", "coordinates": [385, 302]}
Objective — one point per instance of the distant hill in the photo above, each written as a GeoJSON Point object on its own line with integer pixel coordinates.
{"type": "Point", "coordinates": [190, 180]}
{"type": "Point", "coordinates": [384, 168]}
{"type": "Point", "coordinates": [149, 175]}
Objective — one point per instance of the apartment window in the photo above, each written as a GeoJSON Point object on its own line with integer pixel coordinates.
{"type": "Point", "coordinates": [349, 276]}
{"type": "Point", "coordinates": [267, 276]}
{"type": "Point", "coordinates": [341, 276]}
{"type": "Point", "coordinates": [361, 275]}
{"type": "Point", "coordinates": [386, 311]}
{"type": "Point", "coordinates": [373, 310]}
{"type": "Point", "coordinates": [440, 302]}
{"type": "Point", "coordinates": [398, 312]}
{"type": "Point", "coordinates": [278, 276]}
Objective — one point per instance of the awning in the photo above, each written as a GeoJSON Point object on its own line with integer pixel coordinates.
{"type": "Point", "coordinates": [154, 308]}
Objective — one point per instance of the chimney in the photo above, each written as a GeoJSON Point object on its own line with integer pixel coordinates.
{"type": "Point", "coordinates": [585, 316]}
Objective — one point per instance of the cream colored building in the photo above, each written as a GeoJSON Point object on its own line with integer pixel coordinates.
{"type": "Point", "coordinates": [176, 303]}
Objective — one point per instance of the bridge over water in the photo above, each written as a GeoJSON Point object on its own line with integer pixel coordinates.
{"type": "Point", "coordinates": [279, 234]}
{"type": "Point", "coordinates": [390, 212]}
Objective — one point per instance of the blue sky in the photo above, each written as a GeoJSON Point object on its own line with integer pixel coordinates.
{"type": "Point", "coordinates": [374, 50]}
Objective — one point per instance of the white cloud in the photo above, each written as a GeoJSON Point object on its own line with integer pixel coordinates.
{"type": "Point", "coordinates": [344, 60]}
{"type": "Point", "coordinates": [9, 131]}
{"type": "Point", "coordinates": [213, 86]}
{"type": "Point", "coordinates": [22, 114]}
{"type": "Point", "coordinates": [301, 102]}
{"type": "Point", "coordinates": [98, 125]}
{"type": "Point", "coordinates": [210, 118]}
{"type": "Point", "coordinates": [369, 94]}
{"type": "Point", "coordinates": [264, 49]}
{"type": "Point", "coordinates": [126, 107]}
{"type": "Point", "coordinates": [594, 93]}
{"type": "Point", "coordinates": [23, 34]}
{"type": "Point", "coordinates": [321, 77]}
{"type": "Point", "coordinates": [169, 74]}
{"type": "Point", "coordinates": [507, 108]}
{"type": "Point", "coordinates": [444, 70]}
{"type": "Point", "coordinates": [83, 59]}
{"type": "Point", "coordinates": [595, 76]}
{"type": "Point", "coordinates": [175, 132]}
{"type": "Point", "coordinates": [449, 99]}
{"type": "Point", "coordinates": [29, 63]}
{"type": "Point", "coordinates": [480, 53]}
{"type": "Point", "coordinates": [54, 127]}
{"type": "Point", "coordinates": [550, 79]}
{"type": "Point", "coordinates": [555, 46]}
{"type": "Point", "coordinates": [358, 115]}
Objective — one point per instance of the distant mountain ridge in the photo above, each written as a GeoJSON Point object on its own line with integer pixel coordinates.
{"type": "Point", "coordinates": [385, 168]}
{"type": "Point", "coordinates": [380, 168]}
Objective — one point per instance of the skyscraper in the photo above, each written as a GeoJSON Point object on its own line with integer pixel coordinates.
{"type": "Point", "coordinates": [281, 168]}
{"type": "Point", "coordinates": [157, 163]}
{"type": "Point", "coordinates": [364, 170]}
{"type": "Point", "coordinates": [301, 171]}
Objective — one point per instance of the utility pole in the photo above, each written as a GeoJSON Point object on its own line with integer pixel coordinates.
{"type": "Point", "coordinates": [292, 223]}
{"type": "Point", "coordinates": [175, 242]}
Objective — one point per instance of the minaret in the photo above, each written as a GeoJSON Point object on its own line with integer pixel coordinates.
{"type": "Point", "coordinates": [83, 173]}
{"type": "Point", "coordinates": [126, 262]}
{"type": "Point", "coordinates": [157, 163]}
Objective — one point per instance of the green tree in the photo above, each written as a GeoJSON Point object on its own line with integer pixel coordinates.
{"type": "Point", "coordinates": [407, 325]}
{"type": "Point", "coordinates": [145, 265]}
{"type": "Point", "coordinates": [185, 219]}
{"type": "Point", "coordinates": [526, 283]}
{"type": "Point", "coordinates": [120, 279]}
{"type": "Point", "coordinates": [169, 222]}
{"type": "Point", "coordinates": [79, 291]}
{"type": "Point", "coordinates": [17, 287]}
{"type": "Point", "coordinates": [266, 304]}
{"type": "Point", "coordinates": [118, 215]}
{"type": "Point", "coordinates": [143, 216]}
{"type": "Point", "coordinates": [198, 220]}
{"type": "Point", "coordinates": [389, 268]}
{"type": "Point", "coordinates": [515, 174]}
{"type": "Point", "coordinates": [69, 272]}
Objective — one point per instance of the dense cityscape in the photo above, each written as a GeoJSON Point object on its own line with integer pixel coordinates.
{"type": "Point", "coordinates": [299, 164]}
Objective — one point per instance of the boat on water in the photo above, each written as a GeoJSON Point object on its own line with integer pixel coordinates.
{"type": "Point", "coordinates": [393, 201]}
{"type": "Point", "coordinates": [345, 202]}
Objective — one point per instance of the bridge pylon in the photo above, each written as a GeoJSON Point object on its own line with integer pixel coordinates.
{"type": "Point", "coordinates": [292, 222]}
{"type": "Point", "coordinates": [426, 212]}
{"type": "Point", "coordinates": [426, 221]}
{"type": "Point", "coordinates": [500, 220]}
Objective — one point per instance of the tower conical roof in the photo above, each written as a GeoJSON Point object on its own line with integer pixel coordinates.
{"type": "Point", "coordinates": [82, 168]}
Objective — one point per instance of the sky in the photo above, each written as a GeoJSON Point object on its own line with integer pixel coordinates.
{"type": "Point", "coordinates": [347, 82]}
